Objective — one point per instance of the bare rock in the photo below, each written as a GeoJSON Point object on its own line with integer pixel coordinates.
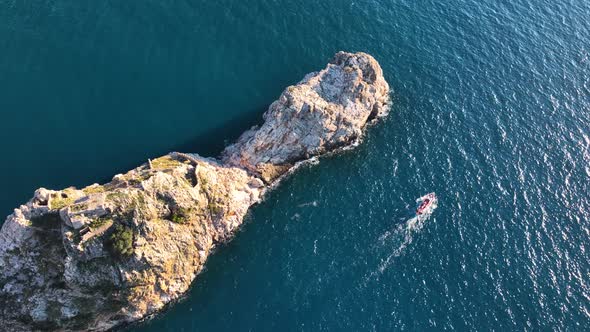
{"type": "Point", "coordinates": [326, 110]}
{"type": "Point", "coordinates": [97, 257]}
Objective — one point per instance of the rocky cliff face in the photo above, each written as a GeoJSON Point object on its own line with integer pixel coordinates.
{"type": "Point", "coordinates": [104, 255]}
{"type": "Point", "coordinates": [326, 110]}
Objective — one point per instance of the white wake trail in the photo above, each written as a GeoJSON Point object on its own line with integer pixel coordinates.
{"type": "Point", "coordinates": [403, 234]}
{"type": "Point", "coordinates": [406, 231]}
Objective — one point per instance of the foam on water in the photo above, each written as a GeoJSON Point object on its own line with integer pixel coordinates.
{"type": "Point", "coordinates": [401, 237]}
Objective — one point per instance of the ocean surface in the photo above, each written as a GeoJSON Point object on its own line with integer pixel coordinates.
{"type": "Point", "coordinates": [491, 110]}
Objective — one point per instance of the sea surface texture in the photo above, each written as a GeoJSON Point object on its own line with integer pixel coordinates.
{"type": "Point", "coordinates": [491, 110]}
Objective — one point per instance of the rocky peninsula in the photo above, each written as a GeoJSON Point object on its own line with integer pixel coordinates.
{"type": "Point", "coordinates": [105, 255]}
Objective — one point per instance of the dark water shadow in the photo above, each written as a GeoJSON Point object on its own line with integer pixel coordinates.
{"type": "Point", "coordinates": [212, 142]}
{"type": "Point", "coordinates": [207, 144]}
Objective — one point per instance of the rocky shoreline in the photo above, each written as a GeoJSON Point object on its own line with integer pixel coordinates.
{"type": "Point", "coordinates": [105, 255]}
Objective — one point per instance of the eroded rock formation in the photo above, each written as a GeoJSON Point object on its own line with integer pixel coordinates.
{"type": "Point", "coordinates": [97, 257]}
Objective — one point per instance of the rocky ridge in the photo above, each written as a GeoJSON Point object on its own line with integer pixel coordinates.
{"type": "Point", "coordinates": [105, 255]}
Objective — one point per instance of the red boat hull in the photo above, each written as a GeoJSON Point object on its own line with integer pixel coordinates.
{"type": "Point", "coordinates": [425, 205]}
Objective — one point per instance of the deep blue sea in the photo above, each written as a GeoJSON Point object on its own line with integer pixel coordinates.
{"type": "Point", "coordinates": [491, 110]}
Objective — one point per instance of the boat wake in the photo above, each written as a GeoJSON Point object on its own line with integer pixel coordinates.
{"type": "Point", "coordinates": [403, 234]}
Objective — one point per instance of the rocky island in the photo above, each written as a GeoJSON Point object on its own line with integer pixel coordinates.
{"type": "Point", "coordinates": [106, 255]}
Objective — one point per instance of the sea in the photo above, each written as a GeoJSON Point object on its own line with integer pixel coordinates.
{"type": "Point", "coordinates": [490, 110]}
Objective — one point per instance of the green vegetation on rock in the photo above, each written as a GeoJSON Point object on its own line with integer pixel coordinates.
{"type": "Point", "coordinates": [61, 200]}
{"type": "Point", "coordinates": [180, 215]}
{"type": "Point", "coordinates": [165, 162]}
{"type": "Point", "coordinates": [212, 195]}
{"type": "Point", "coordinates": [122, 241]}
{"type": "Point", "coordinates": [78, 207]}
{"type": "Point", "coordinates": [116, 196]}
{"type": "Point", "coordinates": [136, 178]}
{"type": "Point", "coordinates": [93, 189]}
{"type": "Point", "coordinates": [178, 218]}
{"type": "Point", "coordinates": [97, 223]}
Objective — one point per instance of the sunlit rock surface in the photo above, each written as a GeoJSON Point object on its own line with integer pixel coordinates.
{"type": "Point", "coordinates": [105, 255]}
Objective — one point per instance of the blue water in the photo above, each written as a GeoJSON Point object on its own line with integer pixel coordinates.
{"type": "Point", "coordinates": [491, 111]}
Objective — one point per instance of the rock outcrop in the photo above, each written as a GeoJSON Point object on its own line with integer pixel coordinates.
{"type": "Point", "coordinates": [326, 110]}
{"type": "Point", "coordinates": [105, 255]}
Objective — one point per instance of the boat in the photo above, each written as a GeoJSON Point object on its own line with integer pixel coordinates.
{"type": "Point", "coordinates": [426, 204]}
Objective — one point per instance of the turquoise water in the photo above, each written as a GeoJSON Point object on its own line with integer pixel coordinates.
{"type": "Point", "coordinates": [491, 111]}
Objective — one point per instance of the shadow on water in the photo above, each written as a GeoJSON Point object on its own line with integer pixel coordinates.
{"type": "Point", "coordinates": [207, 143]}
{"type": "Point", "coordinates": [212, 142]}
